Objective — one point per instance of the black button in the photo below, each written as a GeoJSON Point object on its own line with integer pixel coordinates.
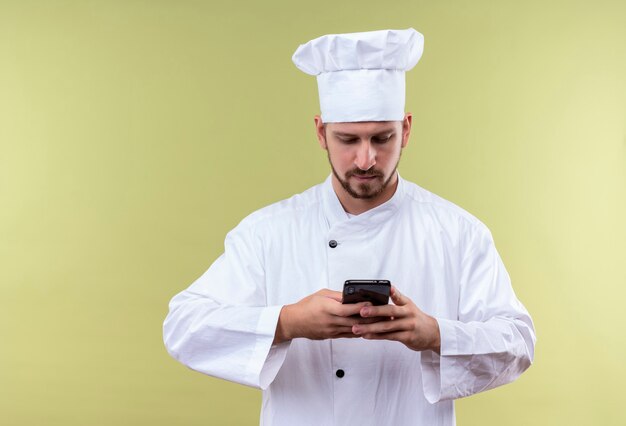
{"type": "Point", "coordinates": [340, 373]}
{"type": "Point", "coordinates": [332, 243]}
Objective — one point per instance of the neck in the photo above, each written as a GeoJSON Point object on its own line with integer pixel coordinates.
{"type": "Point", "coordinates": [360, 205]}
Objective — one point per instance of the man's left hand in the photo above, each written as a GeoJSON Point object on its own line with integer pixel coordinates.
{"type": "Point", "coordinates": [404, 322]}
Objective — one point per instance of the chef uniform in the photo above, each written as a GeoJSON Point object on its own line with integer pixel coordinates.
{"type": "Point", "coordinates": [437, 254]}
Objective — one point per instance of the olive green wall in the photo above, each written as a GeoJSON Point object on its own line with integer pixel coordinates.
{"type": "Point", "coordinates": [135, 134]}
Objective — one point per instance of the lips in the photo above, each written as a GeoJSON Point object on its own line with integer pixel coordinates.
{"type": "Point", "coordinates": [364, 177]}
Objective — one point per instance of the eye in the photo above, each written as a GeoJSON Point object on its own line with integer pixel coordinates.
{"type": "Point", "coordinates": [382, 140]}
{"type": "Point", "coordinates": [348, 141]}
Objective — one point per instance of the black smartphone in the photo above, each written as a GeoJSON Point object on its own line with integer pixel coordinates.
{"type": "Point", "coordinates": [374, 291]}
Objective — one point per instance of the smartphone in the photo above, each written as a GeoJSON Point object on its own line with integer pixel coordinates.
{"type": "Point", "coordinates": [374, 291]}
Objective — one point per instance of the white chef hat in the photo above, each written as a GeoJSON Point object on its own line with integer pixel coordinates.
{"type": "Point", "coordinates": [360, 76]}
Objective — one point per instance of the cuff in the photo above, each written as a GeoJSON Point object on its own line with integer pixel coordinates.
{"type": "Point", "coordinates": [434, 366]}
{"type": "Point", "coordinates": [267, 358]}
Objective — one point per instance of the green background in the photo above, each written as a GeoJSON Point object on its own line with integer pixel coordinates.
{"type": "Point", "coordinates": [135, 134]}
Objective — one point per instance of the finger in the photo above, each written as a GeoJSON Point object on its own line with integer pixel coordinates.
{"type": "Point", "coordinates": [341, 331]}
{"type": "Point", "coordinates": [370, 320]}
{"type": "Point", "coordinates": [349, 309]}
{"type": "Point", "coordinates": [381, 327]}
{"type": "Point", "coordinates": [398, 336]}
{"type": "Point", "coordinates": [398, 298]}
{"type": "Point", "coordinates": [345, 321]}
{"type": "Point", "coordinates": [332, 294]}
{"type": "Point", "coordinates": [381, 311]}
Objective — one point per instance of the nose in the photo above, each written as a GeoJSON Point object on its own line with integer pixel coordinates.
{"type": "Point", "coordinates": [365, 156]}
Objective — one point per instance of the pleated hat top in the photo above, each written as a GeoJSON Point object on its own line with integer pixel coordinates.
{"type": "Point", "coordinates": [361, 76]}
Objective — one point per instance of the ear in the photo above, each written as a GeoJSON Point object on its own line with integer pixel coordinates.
{"type": "Point", "coordinates": [320, 131]}
{"type": "Point", "coordinates": [406, 128]}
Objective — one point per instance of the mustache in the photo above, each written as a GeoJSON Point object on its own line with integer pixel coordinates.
{"type": "Point", "coordinates": [368, 173]}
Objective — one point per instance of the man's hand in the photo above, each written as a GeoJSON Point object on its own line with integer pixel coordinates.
{"type": "Point", "coordinates": [319, 316]}
{"type": "Point", "coordinates": [404, 323]}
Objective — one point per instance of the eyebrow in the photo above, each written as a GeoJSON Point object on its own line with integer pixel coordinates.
{"type": "Point", "coordinates": [351, 135]}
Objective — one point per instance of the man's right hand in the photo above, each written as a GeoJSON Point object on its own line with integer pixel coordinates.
{"type": "Point", "coordinates": [319, 316]}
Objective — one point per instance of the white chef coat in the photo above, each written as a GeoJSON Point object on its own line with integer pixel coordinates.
{"type": "Point", "coordinates": [436, 253]}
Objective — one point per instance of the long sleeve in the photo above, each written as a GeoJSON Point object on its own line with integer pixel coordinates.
{"type": "Point", "coordinates": [221, 325]}
{"type": "Point", "coordinates": [492, 341]}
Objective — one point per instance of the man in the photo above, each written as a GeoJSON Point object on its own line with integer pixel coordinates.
{"type": "Point", "coordinates": [268, 311]}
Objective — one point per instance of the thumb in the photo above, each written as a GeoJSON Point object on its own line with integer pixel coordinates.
{"type": "Point", "coordinates": [397, 297]}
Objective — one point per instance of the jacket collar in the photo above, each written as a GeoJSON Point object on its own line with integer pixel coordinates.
{"type": "Point", "coordinates": [335, 214]}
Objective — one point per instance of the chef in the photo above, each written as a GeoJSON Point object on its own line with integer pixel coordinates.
{"type": "Point", "coordinates": [268, 313]}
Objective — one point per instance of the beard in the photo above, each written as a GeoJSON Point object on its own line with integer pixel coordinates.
{"type": "Point", "coordinates": [364, 190]}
